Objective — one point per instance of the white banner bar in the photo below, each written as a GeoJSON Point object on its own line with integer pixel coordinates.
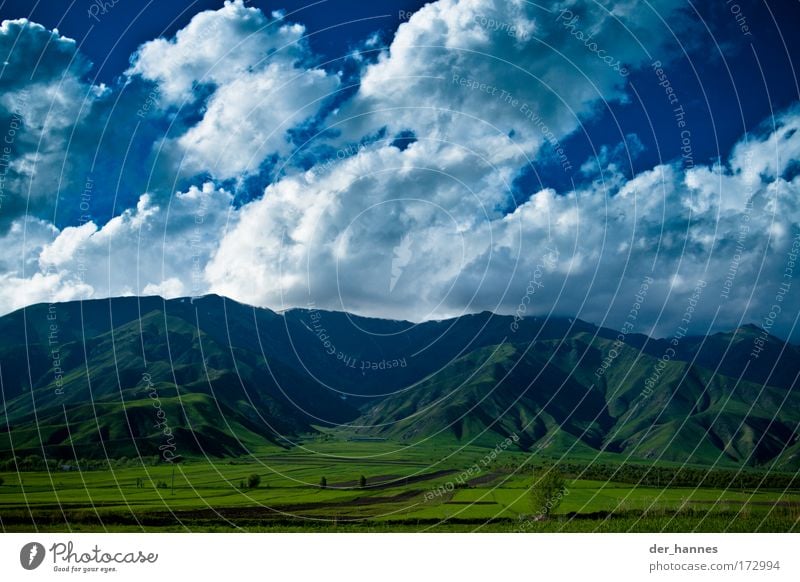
{"type": "Point", "coordinates": [399, 557]}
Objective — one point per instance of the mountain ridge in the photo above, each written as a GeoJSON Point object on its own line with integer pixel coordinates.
{"type": "Point", "coordinates": [232, 378]}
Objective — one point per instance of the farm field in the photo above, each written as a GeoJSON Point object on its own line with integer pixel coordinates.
{"type": "Point", "coordinates": [415, 489]}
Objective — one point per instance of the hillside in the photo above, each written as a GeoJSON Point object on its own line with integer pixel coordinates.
{"type": "Point", "coordinates": [547, 398]}
{"type": "Point", "coordinates": [226, 378]}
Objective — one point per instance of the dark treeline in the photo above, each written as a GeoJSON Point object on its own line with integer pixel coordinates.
{"type": "Point", "coordinates": [37, 463]}
{"type": "Point", "coordinates": [662, 476]}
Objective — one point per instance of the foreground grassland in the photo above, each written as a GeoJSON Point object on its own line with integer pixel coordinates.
{"type": "Point", "coordinates": [414, 489]}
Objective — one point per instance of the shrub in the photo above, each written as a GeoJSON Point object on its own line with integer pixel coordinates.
{"type": "Point", "coordinates": [546, 492]}
{"type": "Point", "coordinates": [253, 481]}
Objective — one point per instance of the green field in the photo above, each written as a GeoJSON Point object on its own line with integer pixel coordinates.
{"type": "Point", "coordinates": [407, 489]}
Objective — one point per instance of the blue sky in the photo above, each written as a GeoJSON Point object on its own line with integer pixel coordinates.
{"type": "Point", "coordinates": [252, 150]}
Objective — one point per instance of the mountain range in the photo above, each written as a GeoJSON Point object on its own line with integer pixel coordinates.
{"type": "Point", "coordinates": [135, 376]}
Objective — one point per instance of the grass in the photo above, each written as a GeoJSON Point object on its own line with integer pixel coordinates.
{"type": "Point", "coordinates": [399, 496]}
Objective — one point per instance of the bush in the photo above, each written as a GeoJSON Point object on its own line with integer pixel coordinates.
{"type": "Point", "coordinates": [323, 483]}
{"type": "Point", "coordinates": [253, 481]}
{"type": "Point", "coordinates": [362, 481]}
{"type": "Point", "coordinates": [547, 491]}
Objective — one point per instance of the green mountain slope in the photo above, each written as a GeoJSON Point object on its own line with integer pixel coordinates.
{"type": "Point", "coordinates": [547, 390]}
{"type": "Point", "coordinates": [119, 390]}
{"type": "Point", "coordinates": [91, 379]}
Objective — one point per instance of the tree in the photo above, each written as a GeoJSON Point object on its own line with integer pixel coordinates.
{"type": "Point", "coordinates": [2, 481]}
{"type": "Point", "coordinates": [253, 481]}
{"type": "Point", "coordinates": [323, 483]}
{"type": "Point", "coordinates": [547, 491]}
{"type": "Point", "coordinates": [362, 481]}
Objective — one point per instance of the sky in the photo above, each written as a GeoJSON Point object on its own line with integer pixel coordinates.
{"type": "Point", "coordinates": [631, 163]}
